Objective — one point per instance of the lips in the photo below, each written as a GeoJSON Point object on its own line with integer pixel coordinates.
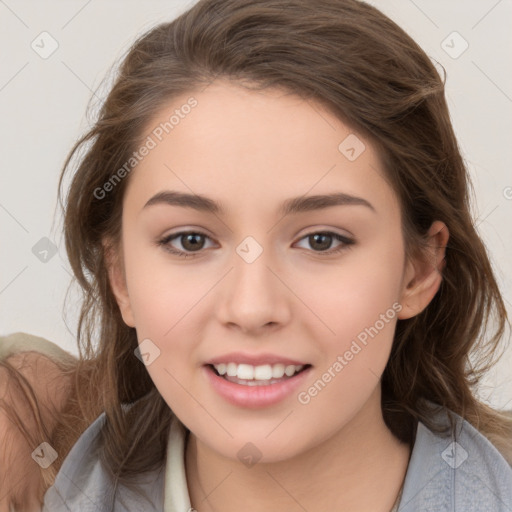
{"type": "Point", "coordinates": [255, 380]}
{"type": "Point", "coordinates": [253, 393]}
{"type": "Point", "coordinates": [255, 359]}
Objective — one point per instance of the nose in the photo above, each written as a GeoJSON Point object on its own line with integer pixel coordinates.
{"type": "Point", "coordinates": [254, 296]}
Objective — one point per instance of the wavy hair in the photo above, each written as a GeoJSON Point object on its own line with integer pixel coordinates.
{"type": "Point", "coordinates": [349, 57]}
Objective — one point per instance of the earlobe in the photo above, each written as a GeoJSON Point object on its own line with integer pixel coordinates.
{"type": "Point", "coordinates": [117, 280]}
{"type": "Point", "coordinates": [423, 277]}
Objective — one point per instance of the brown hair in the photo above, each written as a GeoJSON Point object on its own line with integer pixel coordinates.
{"type": "Point", "coordinates": [349, 57]}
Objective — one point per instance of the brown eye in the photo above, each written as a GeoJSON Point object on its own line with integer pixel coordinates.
{"type": "Point", "coordinates": [321, 242]}
{"type": "Point", "coordinates": [190, 242]}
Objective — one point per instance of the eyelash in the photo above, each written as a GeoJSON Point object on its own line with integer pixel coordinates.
{"type": "Point", "coordinates": [164, 242]}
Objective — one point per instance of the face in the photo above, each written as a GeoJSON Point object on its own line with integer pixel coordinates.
{"type": "Point", "coordinates": [239, 276]}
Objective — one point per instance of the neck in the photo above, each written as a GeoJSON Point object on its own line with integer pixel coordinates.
{"type": "Point", "coordinates": [360, 468]}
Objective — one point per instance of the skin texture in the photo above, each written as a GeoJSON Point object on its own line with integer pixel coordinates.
{"type": "Point", "coordinates": [251, 151]}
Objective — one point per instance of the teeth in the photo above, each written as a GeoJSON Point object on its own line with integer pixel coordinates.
{"type": "Point", "coordinates": [257, 373]}
{"type": "Point", "coordinates": [263, 372]}
{"type": "Point", "coordinates": [231, 369]}
{"type": "Point", "coordinates": [289, 370]}
{"type": "Point", "coordinates": [277, 371]}
{"type": "Point", "coordinates": [245, 371]}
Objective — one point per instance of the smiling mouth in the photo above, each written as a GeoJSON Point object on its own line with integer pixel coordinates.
{"type": "Point", "coordinates": [264, 375]}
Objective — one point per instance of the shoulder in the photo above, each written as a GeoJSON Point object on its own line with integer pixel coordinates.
{"type": "Point", "coordinates": [460, 471]}
{"type": "Point", "coordinates": [84, 484]}
{"type": "Point", "coordinates": [21, 342]}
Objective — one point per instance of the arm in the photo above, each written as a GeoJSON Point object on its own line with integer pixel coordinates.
{"type": "Point", "coordinates": [21, 478]}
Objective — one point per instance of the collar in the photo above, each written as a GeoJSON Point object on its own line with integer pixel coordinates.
{"type": "Point", "coordinates": [176, 494]}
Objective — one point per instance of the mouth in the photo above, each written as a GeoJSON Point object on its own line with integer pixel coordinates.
{"type": "Point", "coordinates": [255, 381]}
{"type": "Point", "coordinates": [261, 375]}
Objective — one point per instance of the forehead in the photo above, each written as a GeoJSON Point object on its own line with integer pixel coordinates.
{"type": "Point", "coordinates": [230, 142]}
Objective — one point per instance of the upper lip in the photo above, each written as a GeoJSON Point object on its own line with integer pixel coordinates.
{"type": "Point", "coordinates": [254, 359]}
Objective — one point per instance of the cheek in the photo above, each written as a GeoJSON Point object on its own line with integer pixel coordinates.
{"type": "Point", "coordinates": [361, 311]}
{"type": "Point", "coordinates": [165, 298]}
{"type": "Point", "coordinates": [359, 304]}
{"type": "Point", "coordinates": [161, 293]}
{"type": "Point", "coordinates": [354, 294]}
{"type": "Point", "coordinates": [162, 299]}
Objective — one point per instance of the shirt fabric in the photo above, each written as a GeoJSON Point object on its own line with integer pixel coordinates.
{"type": "Point", "coordinates": [462, 472]}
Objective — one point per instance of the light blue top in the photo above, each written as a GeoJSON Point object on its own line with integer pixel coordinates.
{"type": "Point", "coordinates": [463, 472]}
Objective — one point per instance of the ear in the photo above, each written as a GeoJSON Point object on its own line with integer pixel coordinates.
{"type": "Point", "coordinates": [117, 280]}
{"type": "Point", "coordinates": [422, 277]}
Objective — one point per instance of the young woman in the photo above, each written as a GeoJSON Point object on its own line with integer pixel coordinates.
{"type": "Point", "coordinates": [282, 280]}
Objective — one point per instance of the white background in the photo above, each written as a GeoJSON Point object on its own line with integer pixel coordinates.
{"type": "Point", "coordinates": [43, 103]}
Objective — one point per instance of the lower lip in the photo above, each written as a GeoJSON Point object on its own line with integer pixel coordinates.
{"type": "Point", "coordinates": [255, 396]}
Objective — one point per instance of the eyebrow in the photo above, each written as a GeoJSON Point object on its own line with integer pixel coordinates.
{"type": "Point", "coordinates": [290, 206]}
